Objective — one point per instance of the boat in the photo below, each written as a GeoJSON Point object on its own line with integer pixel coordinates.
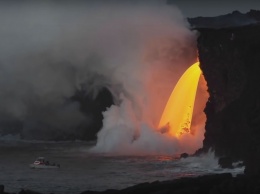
{"type": "Point", "coordinates": [40, 162]}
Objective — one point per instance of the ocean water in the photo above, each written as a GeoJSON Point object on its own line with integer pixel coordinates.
{"type": "Point", "coordinates": [82, 170]}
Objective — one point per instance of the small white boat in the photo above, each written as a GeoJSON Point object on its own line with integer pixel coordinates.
{"type": "Point", "coordinates": [40, 162]}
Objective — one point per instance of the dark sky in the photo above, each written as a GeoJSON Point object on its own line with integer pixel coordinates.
{"type": "Point", "coordinates": [193, 8]}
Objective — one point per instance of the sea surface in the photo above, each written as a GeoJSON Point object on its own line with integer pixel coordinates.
{"type": "Point", "coordinates": [82, 170]}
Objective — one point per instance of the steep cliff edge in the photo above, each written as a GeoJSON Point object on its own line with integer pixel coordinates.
{"type": "Point", "coordinates": [234, 19]}
{"type": "Point", "coordinates": [230, 61]}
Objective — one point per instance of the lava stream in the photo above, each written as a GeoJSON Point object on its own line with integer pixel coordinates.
{"type": "Point", "coordinates": [177, 115]}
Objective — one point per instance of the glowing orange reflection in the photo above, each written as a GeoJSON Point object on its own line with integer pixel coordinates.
{"type": "Point", "coordinates": [177, 115]}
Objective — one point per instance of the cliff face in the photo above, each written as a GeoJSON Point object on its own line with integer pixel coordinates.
{"type": "Point", "coordinates": [230, 61]}
{"type": "Point", "coordinates": [234, 19]}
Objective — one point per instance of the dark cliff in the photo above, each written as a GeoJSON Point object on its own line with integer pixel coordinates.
{"type": "Point", "coordinates": [234, 19]}
{"type": "Point", "coordinates": [230, 61]}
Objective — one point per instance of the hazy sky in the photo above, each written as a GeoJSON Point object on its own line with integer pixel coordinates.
{"type": "Point", "coordinates": [193, 8]}
{"type": "Point", "coordinates": [189, 8]}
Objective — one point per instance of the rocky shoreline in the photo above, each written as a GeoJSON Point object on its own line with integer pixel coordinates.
{"type": "Point", "coordinates": [207, 184]}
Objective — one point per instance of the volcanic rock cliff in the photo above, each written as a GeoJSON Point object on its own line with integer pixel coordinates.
{"type": "Point", "coordinates": [230, 61]}
{"type": "Point", "coordinates": [234, 19]}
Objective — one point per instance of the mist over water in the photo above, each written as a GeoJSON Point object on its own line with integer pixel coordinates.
{"type": "Point", "coordinates": [138, 51]}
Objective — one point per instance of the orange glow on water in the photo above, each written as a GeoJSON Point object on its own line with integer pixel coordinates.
{"type": "Point", "coordinates": [177, 115]}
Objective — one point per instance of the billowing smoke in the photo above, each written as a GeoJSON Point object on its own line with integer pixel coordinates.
{"type": "Point", "coordinates": [50, 50]}
{"type": "Point", "coordinates": [163, 49]}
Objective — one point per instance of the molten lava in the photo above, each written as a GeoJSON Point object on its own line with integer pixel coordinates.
{"type": "Point", "coordinates": [177, 115]}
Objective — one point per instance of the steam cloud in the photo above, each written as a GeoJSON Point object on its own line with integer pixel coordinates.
{"type": "Point", "coordinates": [49, 50]}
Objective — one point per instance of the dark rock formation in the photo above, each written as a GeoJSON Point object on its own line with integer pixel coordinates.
{"type": "Point", "coordinates": [209, 184]}
{"type": "Point", "coordinates": [184, 155]}
{"type": "Point", "coordinates": [93, 107]}
{"type": "Point", "coordinates": [2, 190]}
{"type": "Point", "coordinates": [255, 14]}
{"type": "Point", "coordinates": [230, 61]}
{"type": "Point", "coordinates": [28, 192]}
{"type": "Point", "coordinates": [233, 19]}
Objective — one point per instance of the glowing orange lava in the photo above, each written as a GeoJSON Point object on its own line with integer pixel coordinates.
{"type": "Point", "coordinates": [177, 115]}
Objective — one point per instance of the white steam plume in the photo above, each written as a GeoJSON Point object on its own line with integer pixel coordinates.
{"type": "Point", "coordinates": [159, 48]}
{"type": "Point", "coordinates": [50, 49]}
